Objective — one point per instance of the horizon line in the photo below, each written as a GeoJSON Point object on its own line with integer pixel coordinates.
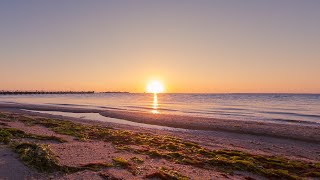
{"type": "Point", "coordinates": [128, 92]}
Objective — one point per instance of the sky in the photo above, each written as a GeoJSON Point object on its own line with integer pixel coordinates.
{"type": "Point", "coordinates": [199, 46]}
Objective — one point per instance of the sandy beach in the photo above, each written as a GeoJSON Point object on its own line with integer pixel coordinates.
{"type": "Point", "coordinates": [205, 148]}
{"type": "Point", "coordinates": [303, 131]}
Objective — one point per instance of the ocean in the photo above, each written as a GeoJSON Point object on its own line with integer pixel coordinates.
{"type": "Point", "coordinates": [304, 108]}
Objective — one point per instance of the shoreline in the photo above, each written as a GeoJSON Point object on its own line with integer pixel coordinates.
{"type": "Point", "coordinates": [302, 132]}
{"type": "Point", "coordinates": [272, 145]}
{"type": "Point", "coordinates": [70, 143]}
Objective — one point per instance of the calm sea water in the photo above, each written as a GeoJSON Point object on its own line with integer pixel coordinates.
{"type": "Point", "coordinates": [262, 107]}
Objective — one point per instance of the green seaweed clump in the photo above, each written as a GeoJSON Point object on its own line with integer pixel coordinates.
{"type": "Point", "coordinates": [7, 134]}
{"type": "Point", "coordinates": [119, 161]}
{"type": "Point", "coordinates": [137, 160]}
{"type": "Point", "coordinates": [173, 174]}
{"type": "Point", "coordinates": [96, 166]}
{"type": "Point", "coordinates": [60, 126]}
{"type": "Point", "coordinates": [38, 156]}
{"type": "Point", "coordinates": [2, 115]}
{"type": "Point", "coordinates": [166, 174]}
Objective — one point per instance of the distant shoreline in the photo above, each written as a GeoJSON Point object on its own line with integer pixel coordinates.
{"type": "Point", "coordinates": [59, 92]}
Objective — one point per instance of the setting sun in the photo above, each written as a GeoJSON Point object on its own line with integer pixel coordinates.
{"type": "Point", "coordinates": [155, 87]}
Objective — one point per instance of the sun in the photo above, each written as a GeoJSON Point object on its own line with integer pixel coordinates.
{"type": "Point", "coordinates": [155, 87]}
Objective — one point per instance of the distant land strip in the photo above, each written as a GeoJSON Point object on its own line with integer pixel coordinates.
{"type": "Point", "coordinates": [44, 92]}
{"type": "Point", "coordinates": [125, 92]}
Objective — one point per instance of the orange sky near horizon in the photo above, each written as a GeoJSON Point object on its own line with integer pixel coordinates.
{"type": "Point", "coordinates": [191, 47]}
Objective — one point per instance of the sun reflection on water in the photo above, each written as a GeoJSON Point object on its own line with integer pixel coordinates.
{"type": "Point", "coordinates": [155, 104]}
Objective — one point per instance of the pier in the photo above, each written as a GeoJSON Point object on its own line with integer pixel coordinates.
{"type": "Point", "coordinates": [44, 92]}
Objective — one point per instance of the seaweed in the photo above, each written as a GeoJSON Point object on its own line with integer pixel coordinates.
{"type": "Point", "coordinates": [137, 160]}
{"type": "Point", "coordinates": [166, 174]}
{"type": "Point", "coordinates": [40, 157]}
{"type": "Point", "coordinates": [7, 134]}
{"type": "Point", "coordinates": [37, 156]}
{"type": "Point", "coordinates": [180, 151]}
{"type": "Point", "coordinates": [121, 162]}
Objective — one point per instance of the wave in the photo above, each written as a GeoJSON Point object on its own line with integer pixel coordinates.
{"type": "Point", "coordinates": [291, 114]}
{"type": "Point", "coordinates": [150, 108]}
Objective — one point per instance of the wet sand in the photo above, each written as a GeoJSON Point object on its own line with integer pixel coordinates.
{"type": "Point", "coordinates": [308, 132]}
{"type": "Point", "coordinates": [294, 141]}
{"type": "Point", "coordinates": [297, 148]}
{"type": "Point", "coordinates": [12, 168]}
{"type": "Point", "coordinates": [75, 153]}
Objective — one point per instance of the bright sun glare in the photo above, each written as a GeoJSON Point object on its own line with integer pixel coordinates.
{"type": "Point", "coordinates": [155, 87]}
